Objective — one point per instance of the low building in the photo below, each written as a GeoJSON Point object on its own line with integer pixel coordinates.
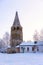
{"type": "Point", "coordinates": [30, 47]}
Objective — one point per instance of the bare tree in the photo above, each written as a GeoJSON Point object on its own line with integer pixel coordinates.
{"type": "Point", "coordinates": [36, 36]}
{"type": "Point", "coordinates": [41, 35]}
{"type": "Point", "coordinates": [6, 38]}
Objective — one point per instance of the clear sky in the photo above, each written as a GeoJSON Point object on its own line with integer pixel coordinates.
{"type": "Point", "coordinates": [30, 14]}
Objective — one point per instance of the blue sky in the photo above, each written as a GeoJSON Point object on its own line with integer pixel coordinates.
{"type": "Point", "coordinates": [30, 14]}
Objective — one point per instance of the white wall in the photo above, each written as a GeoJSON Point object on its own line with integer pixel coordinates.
{"type": "Point", "coordinates": [25, 50]}
{"type": "Point", "coordinates": [40, 48]}
{"type": "Point", "coordinates": [30, 49]}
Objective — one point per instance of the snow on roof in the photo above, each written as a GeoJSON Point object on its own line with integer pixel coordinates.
{"type": "Point", "coordinates": [27, 43]}
{"type": "Point", "coordinates": [40, 42]}
{"type": "Point", "coordinates": [30, 43]}
{"type": "Point", "coordinates": [17, 46]}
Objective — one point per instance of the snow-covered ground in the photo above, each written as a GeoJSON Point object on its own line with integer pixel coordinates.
{"type": "Point", "coordinates": [21, 59]}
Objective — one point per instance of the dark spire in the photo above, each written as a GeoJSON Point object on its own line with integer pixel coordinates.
{"type": "Point", "coordinates": [16, 20]}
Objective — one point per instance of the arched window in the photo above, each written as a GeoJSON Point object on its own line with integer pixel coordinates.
{"type": "Point", "coordinates": [17, 28]}
{"type": "Point", "coordinates": [37, 49]}
{"type": "Point", "coordinates": [14, 28]}
{"type": "Point", "coordinates": [35, 42]}
{"type": "Point", "coordinates": [27, 48]}
{"type": "Point", "coordinates": [32, 48]}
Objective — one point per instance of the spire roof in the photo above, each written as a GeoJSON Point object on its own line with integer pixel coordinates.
{"type": "Point", "coordinates": [16, 20]}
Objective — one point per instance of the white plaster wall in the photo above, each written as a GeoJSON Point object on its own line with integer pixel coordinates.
{"type": "Point", "coordinates": [40, 48]}
{"type": "Point", "coordinates": [25, 50]}
{"type": "Point", "coordinates": [30, 49]}
{"type": "Point", "coordinates": [21, 49]}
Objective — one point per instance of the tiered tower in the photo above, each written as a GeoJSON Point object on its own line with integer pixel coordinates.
{"type": "Point", "coordinates": [16, 32]}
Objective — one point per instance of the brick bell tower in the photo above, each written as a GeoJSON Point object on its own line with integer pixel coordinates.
{"type": "Point", "coordinates": [16, 32]}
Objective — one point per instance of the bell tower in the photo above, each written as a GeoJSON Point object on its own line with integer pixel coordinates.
{"type": "Point", "coordinates": [16, 32]}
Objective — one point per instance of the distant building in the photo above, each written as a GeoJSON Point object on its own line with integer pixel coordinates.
{"type": "Point", "coordinates": [30, 47]}
{"type": "Point", "coordinates": [27, 47]}
{"type": "Point", "coordinates": [16, 32]}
